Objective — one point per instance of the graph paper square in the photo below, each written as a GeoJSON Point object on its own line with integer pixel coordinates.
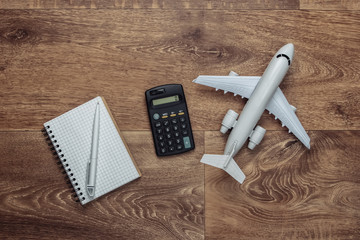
{"type": "Point", "coordinates": [71, 135]}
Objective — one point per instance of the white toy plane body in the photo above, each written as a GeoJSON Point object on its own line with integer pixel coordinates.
{"type": "Point", "coordinates": [263, 93]}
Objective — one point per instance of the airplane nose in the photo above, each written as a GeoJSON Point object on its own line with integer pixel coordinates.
{"type": "Point", "coordinates": [288, 49]}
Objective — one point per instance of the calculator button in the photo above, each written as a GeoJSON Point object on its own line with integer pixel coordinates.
{"type": "Point", "coordinates": [163, 150]}
{"type": "Point", "coordinates": [156, 116]}
{"type": "Point", "coordinates": [178, 140]}
{"type": "Point", "coordinates": [187, 143]}
{"type": "Point", "coordinates": [159, 131]}
{"type": "Point", "coordinates": [170, 142]}
{"type": "Point", "coordinates": [185, 132]}
{"type": "Point", "coordinates": [168, 136]}
{"type": "Point", "coordinates": [176, 127]}
{"type": "Point", "coordinates": [162, 144]}
{"type": "Point", "coordinates": [181, 113]}
{"type": "Point", "coordinates": [179, 147]}
{"type": "Point", "coordinates": [173, 115]}
{"type": "Point", "coordinates": [183, 126]}
{"type": "Point", "coordinates": [171, 149]}
{"type": "Point", "coordinates": [157, 124]}
{"type": "Point", "coordinates": [176, 134]}
{"type": "Point", "coordinates": [166, 123]}
{"type": "Point", "coordinates": [182, 119]}
{"type": "Point", "coordinates": [167, 129]}
{"type": "Point", "coordinates": [174, 121]}
{"type": "Point", "coordinates": [161, 137]}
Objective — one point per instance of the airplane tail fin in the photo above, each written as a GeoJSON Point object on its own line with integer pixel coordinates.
{"type": "Point", "coordinates": [225, 162]}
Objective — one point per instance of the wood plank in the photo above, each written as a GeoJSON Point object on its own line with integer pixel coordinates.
{"type": "Point", "coordinates": [330, 4]}
{"type": "Point", "coordinates": [35, 202]}
{"type": "Point", "coordinates": [55, 60]}
{"type": "Point", "coordinates": [145, 4]}
{"type": "Point", "coordinates": [289, 192]}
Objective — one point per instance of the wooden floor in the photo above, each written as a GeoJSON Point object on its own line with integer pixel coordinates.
{"type": "Point", "coordinates": [58, 54]}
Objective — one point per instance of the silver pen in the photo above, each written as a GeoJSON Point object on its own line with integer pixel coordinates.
{"type": "Point", "coordinates": [92, 164]}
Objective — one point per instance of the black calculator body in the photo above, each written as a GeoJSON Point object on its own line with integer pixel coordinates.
{"type": "Point", "coordinates": [169, 119]}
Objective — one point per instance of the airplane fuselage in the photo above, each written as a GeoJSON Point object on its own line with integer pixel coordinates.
{"type": "Point", "coordinates": [263, 92]}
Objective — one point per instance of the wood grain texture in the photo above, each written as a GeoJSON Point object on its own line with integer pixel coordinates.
{"type": "Point", "coordinates": [330, 4]}
{"type": "Point", "coordinates": [289, 192]}
{"type": "Point", "coordinates": [58, 54]}
{"type": "Point", "coordinates": [55, 60]}
{"type": "Point", "coordinates": [153, 4]}
{"type": "Point", "coordinates": [167, 202]}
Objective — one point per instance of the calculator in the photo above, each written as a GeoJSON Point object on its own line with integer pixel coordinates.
{"type": "Point", "coordinates": [169, 119]}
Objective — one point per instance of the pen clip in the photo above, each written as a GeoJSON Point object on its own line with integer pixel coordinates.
{"type": "Point", "coordinates": [88, 171]}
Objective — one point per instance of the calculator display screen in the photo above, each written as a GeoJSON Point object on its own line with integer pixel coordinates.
{"type": "Point", "coordinates": [160, 101]}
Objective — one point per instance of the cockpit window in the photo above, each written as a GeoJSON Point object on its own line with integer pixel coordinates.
{"type": "Point", "coordinates": [284, 55]}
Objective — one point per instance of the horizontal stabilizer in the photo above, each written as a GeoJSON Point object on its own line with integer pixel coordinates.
{"type": "Point", "coordinates": [220, 160]}
{"type": "Point", "coordinates": [214, 160]}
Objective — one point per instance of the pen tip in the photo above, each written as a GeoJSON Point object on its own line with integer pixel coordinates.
{"type": "Point", "coordinates": [91, 191]}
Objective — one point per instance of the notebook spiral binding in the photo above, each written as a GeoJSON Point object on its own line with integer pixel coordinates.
{"type": "Point", "coordinates": [56, 150]}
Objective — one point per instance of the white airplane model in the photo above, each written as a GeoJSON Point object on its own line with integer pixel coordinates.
{"type": "Point", "coordinates": [263, 93]}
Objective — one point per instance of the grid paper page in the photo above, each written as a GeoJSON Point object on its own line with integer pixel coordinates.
{"type": "Point", "coordinates": [72, 132]}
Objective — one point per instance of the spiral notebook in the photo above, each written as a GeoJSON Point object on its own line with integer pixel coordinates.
{"type": "Point", "coordinates": [71, 137]}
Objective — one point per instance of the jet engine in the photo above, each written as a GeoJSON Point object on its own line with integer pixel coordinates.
{"type": "Point", "coordinates": [256, 136]}
{"type": "Point", "coordinates": [229, 121]}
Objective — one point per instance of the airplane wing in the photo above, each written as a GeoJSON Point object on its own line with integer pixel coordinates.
{"type": "Point", "coordinates": [239, 85]}
{"type": "Point", "coordinates": [285, 112]}
{"type": "Point", "coordinates": [245, 85]}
